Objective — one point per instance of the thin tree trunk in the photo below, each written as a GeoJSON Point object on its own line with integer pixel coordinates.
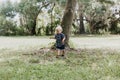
{"type": "Point", "coordinates": [51, 29]}
{"type": "Point", "coordinates": [39, 31]}
{"type": "Point", "coordinates": [33, 31]}
{"type": "Point", "coordinates": [82, 29]}
{"type": "Point", "coordinates": [68, 19]}
{"type": "Point", "coordinates": [91, 27]}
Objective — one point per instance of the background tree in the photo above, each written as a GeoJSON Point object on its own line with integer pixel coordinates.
{"type": "Point", "coordinates": [40, 17]}
{"type": "Point", "coordinates": [7, 25]}
{"type": "Point", "coordinates": [30, 10]}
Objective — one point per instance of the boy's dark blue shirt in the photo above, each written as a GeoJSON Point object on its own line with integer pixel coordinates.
{"type": "Point", "coordinates": [59, 37]}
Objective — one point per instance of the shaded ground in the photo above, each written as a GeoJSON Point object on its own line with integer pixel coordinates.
{"type": "Point", "coordinates": [109, 42]}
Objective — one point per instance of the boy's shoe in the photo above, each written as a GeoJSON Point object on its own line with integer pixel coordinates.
{"type": "Point", "coordinates": [57, 56]}
{"type": "Point", "coordinates": [63, 56]}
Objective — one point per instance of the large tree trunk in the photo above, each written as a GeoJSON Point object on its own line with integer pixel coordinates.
{"type": "Point", "coordinates": [68, 19]}
{"type": "Point", "coordinates": [82, 29]}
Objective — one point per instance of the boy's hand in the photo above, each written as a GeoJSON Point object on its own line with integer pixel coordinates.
{"type": "Point", "coordinates": [63, 41]}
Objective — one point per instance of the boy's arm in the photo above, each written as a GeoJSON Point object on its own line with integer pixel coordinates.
{"type": "Point", "coordinates": [63, 40]}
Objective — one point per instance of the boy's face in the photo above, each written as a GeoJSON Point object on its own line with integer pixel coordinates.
{"type": "Point", "coordinates": [59, 31]}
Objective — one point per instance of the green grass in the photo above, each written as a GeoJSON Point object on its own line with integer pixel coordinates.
{"type": "Point", "coordinates": [79, 65]}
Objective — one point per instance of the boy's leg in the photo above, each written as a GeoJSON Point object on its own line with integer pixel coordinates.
{"type": "Point", "coordinates": [63, 52]}
{"type": "Point", "coordinates": [58, 53]}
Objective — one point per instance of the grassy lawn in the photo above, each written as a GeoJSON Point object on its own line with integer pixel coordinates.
{"type": "Point", "coordinates": [80, 65]}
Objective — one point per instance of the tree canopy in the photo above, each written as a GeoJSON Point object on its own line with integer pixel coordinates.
{"type": "Point", "coordinates": [40, 17]}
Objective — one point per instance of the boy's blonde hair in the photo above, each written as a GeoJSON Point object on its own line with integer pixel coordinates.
{"type": "Point", "coordinates": [58, 28]}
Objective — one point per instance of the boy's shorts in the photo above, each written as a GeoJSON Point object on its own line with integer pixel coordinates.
{"type": "Point", "coordinates": [61, 48]}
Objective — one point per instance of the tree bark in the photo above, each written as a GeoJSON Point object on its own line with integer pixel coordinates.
{"type": "Point", "coordinates": [68, 19]}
